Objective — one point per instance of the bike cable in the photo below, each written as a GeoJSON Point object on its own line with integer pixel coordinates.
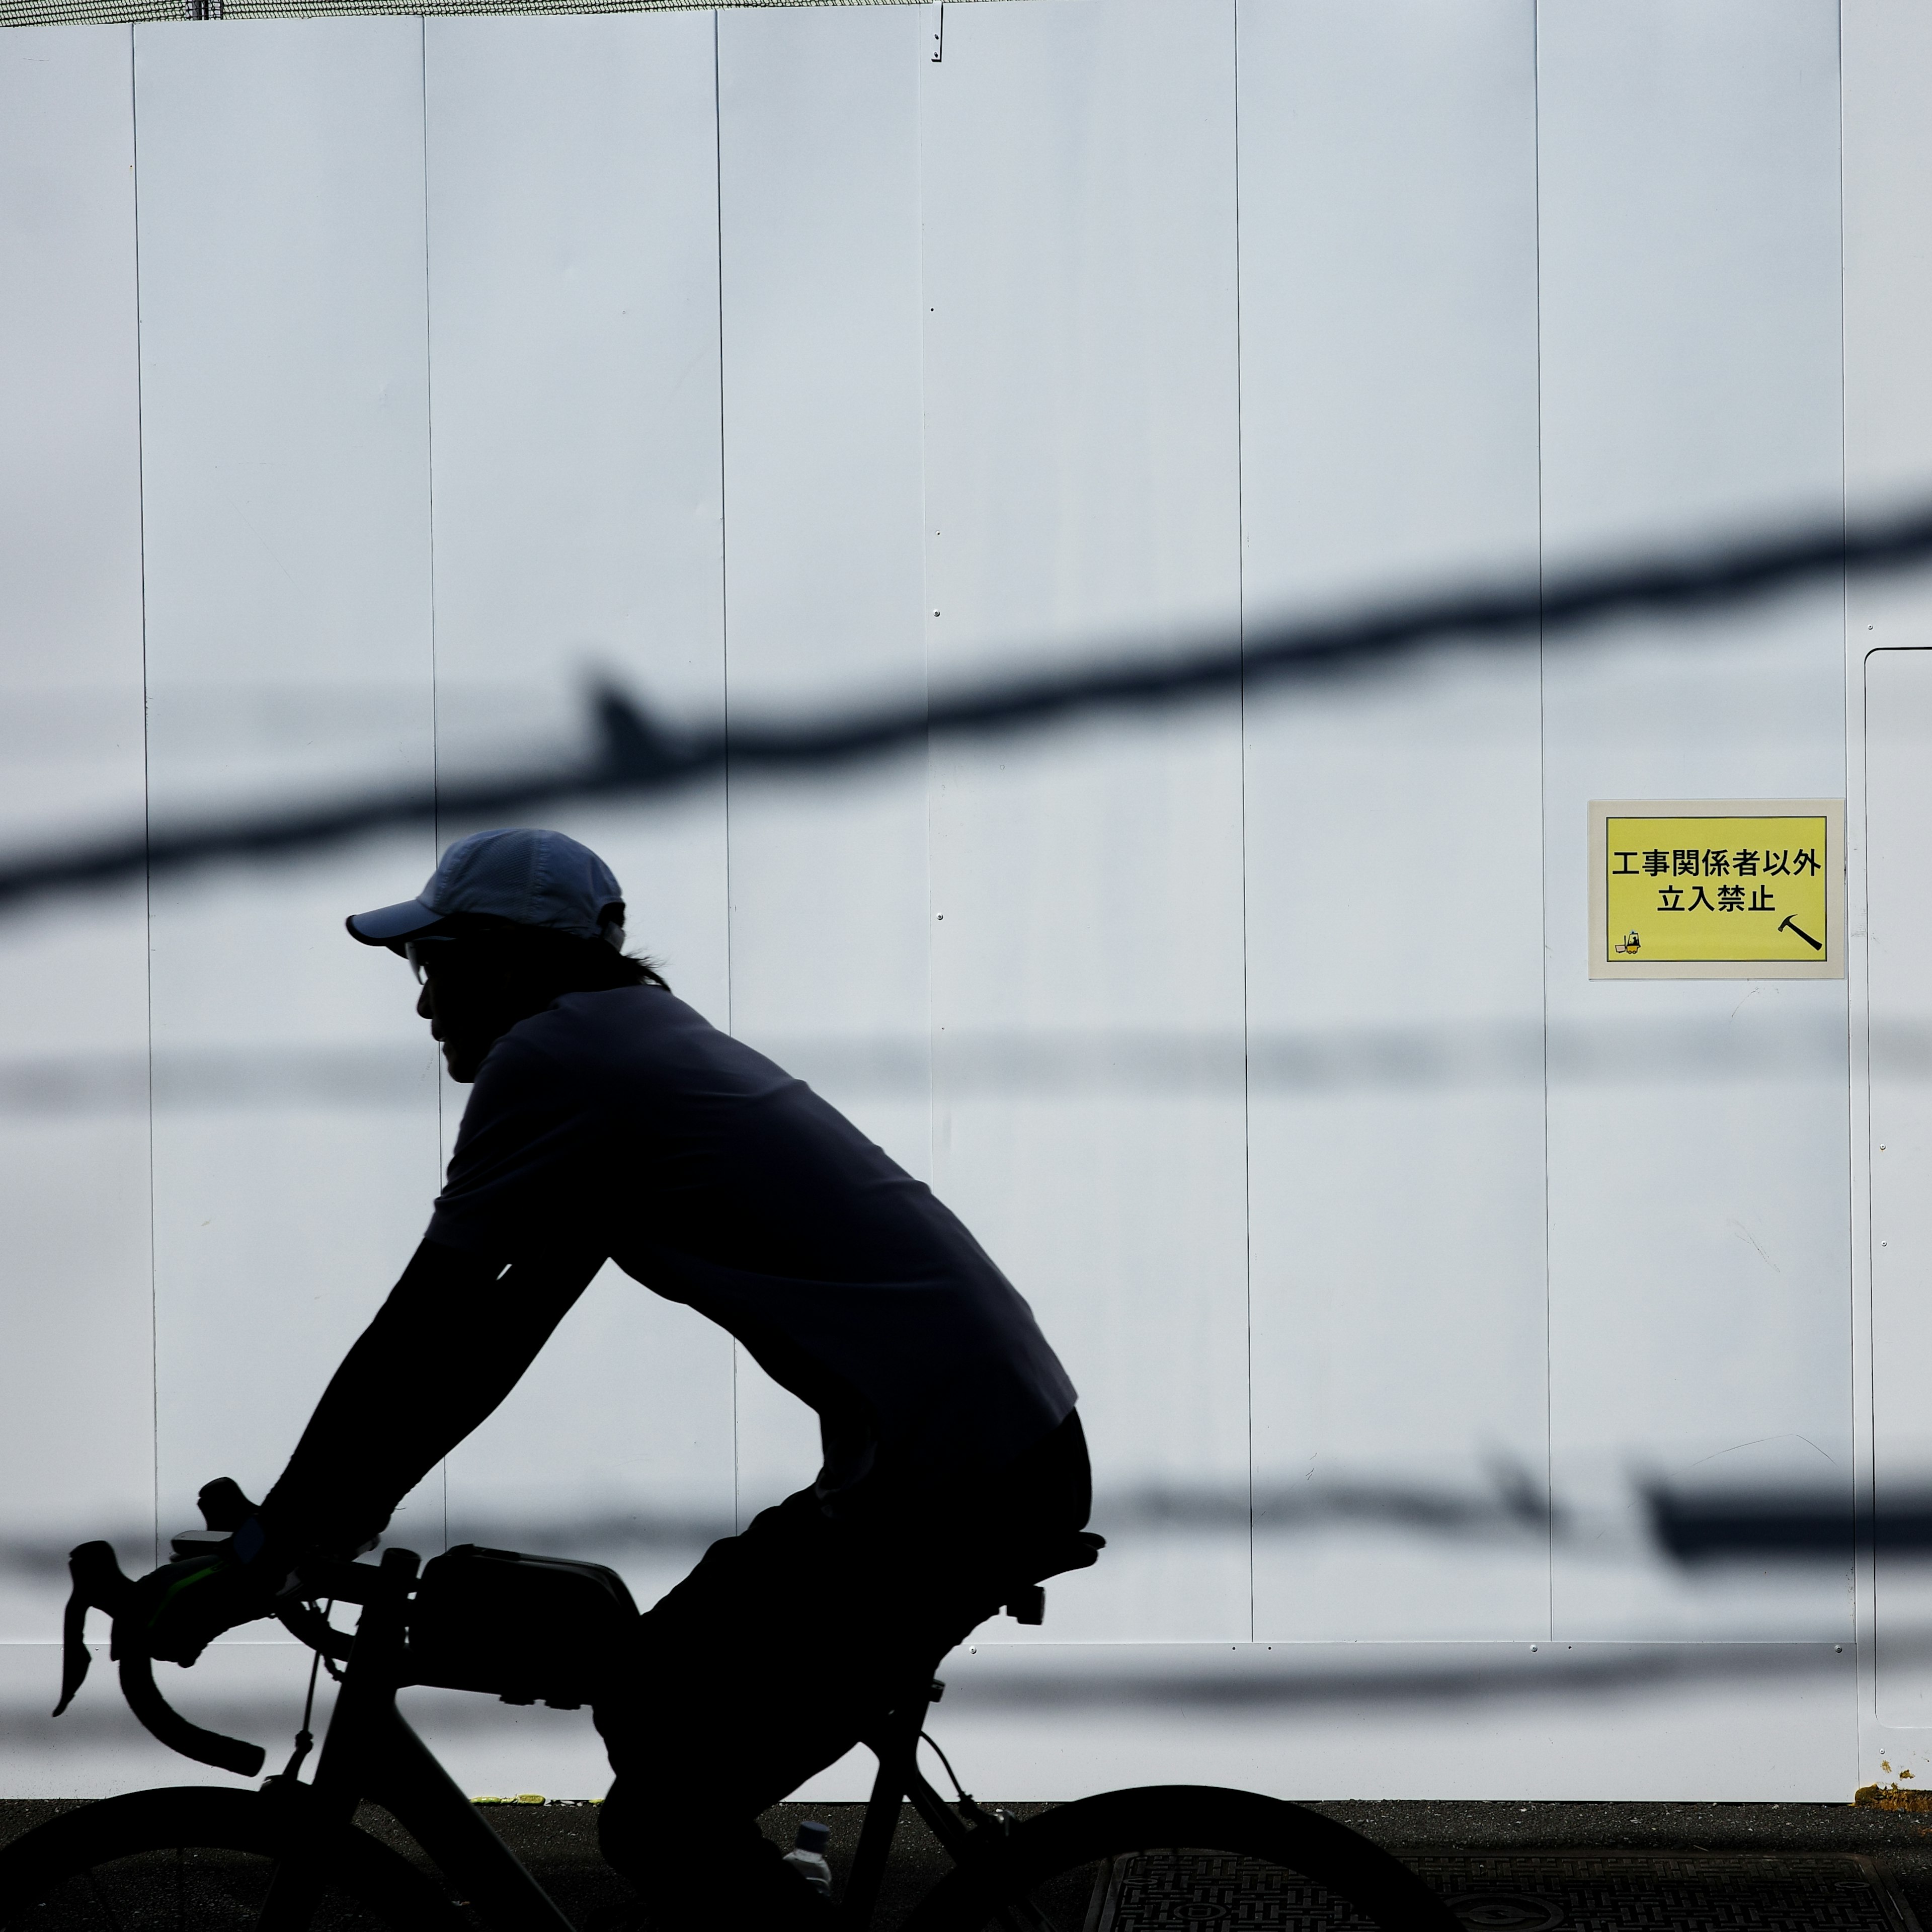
{"type": "Point", "coordinates": [994, 1816]}
{"type": "Point", "coordinates": [927, 1738]}
{"type": "Point", "coordinates": [305, 1737]}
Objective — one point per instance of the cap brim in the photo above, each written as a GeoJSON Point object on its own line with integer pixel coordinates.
{"type": "Point", "coordinates": [390, 926]}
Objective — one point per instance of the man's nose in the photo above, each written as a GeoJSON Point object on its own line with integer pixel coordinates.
{"type": "Point", "coordinates": [424, 1009]}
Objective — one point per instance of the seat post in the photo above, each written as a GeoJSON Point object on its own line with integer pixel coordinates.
{"type": "Point", "coordinates": [894, 1744]}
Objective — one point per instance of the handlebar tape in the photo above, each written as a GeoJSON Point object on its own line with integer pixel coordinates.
{"type": "Point", "coordinates": [99, 1584]}
{"type": "Point", "coordinates": [145, 1701]}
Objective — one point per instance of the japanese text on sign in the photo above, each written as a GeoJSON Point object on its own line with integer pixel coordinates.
{"type": "Point", "coordinates": [1739, 890]}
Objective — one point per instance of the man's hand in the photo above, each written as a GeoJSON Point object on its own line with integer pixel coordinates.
{"type": "Point", "coordinates": [180, 1608]}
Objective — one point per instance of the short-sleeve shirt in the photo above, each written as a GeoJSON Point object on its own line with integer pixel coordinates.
{"type": "Point", "coordinates": [623, 1124]}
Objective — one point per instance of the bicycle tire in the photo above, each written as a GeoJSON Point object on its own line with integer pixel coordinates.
{"type": "Point", "coordinates": [196, 1858]}
{"type": "Point", "coordinates": [1077, 1869]}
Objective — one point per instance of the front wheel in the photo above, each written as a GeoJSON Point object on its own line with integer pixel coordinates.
{"type": "Point", "coordinates": [199, 1859]}
{"type": "Point", "coordinates": [1178, 1857]}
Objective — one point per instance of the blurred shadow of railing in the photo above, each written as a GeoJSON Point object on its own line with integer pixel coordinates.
{"type": "Point", "coordinates": [1185, 1679]}
{"type": "Point", "coordinates": [1687, 1526]}
{"type": "Point", "coordinates": [1055, 1062]}
{"type": "Point", "coordinates": [1690, 1528]}
{"type": "Point", "coordinates": [636, 754]}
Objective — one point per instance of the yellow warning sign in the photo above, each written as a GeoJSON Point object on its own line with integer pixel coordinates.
{"type": "Point", "coordinates": [1716, 888]}
{"type": "Point", "coordinates": [1722, 888]}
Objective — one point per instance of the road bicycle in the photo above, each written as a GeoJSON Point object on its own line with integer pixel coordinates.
{"type": "Point", "coordinates": [289, 1855]}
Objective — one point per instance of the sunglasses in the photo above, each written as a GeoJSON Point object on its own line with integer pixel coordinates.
{"type": "Point", "coordinates": [416, 952]}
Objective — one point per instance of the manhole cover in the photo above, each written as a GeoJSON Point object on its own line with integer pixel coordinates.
{"type": "Point", "coordinates": [1543, 1891]}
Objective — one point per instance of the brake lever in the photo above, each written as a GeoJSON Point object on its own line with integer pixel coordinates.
{"type": "Point", "coordinates": [100, 1584]}
{"type": "Point", "coordinates": [224, 1504]}
{"type": "Point", "coordinates": [75, 1655]}
{"type": "Point", "coordinates": [97, 1584]}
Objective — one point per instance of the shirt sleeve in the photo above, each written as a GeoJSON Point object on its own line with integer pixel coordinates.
{"type": "Point", "coordinates": [531, 1157]}
{"type": "Point", "coordinates": [448, 1345]}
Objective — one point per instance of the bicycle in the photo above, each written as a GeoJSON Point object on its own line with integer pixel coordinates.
{"type": "Point", "coordinates": [289, 1855]}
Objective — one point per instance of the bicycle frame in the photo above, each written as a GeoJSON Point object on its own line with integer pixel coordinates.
{"type": "Point", "coordinates": [370, 1752]}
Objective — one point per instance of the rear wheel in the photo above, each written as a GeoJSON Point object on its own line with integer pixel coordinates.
{"type": "Point", "coordinates": [198, 1860]}
{"type": "Point", "coordinates": [1181, 1859]}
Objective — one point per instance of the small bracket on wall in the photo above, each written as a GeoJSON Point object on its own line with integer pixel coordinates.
{"type": "Point", "coordinates": [935, 16]}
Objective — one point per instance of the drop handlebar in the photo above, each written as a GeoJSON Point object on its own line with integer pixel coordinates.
{"type": "Point", "coordinates": [99, 1583]}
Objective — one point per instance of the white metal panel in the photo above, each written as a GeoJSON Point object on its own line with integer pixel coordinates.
{"type": "Point", "coordinates": [240, 1688]}
{"type": "Point", "coordinates": [1081, 498]}
{"type": "Point", "coordinates": [77, 1395]}
{"type": "Point", "coordinates": [1080, 246]}
{"type": "Point", "coordinates": [1898, 803]}
{"type": "Point", "coordinates": [573, 358]}
{"type": "Point", "coordinates": [1887, 55]}
{"type": "Point", "coordinates": [286, 439]}
{"type": "Point", "coordinates": [818, 146]}
{"type": "Point", "coordinates": [1395, 1064]}
{"type": "Point", "coordinates": [1690, 382]}
{"type": "Point", "coordinates": [572, 169]}
{"type": "Point", "coordinates": [1305, 1720]}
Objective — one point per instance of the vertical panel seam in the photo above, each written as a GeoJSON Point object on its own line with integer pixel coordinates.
{"type": "Point", "coordinates": [1241, 714]}
{"type": "Point", "coordinates": [147, 809]}
{"type": "Point", "coordinates": [429, 478]}
{"type": "Point", "coordinates": [1855, 718]}
{"type": "Point", "coordinates": [921, 68]}
{"type": "Point", "coordinates": [1543, 843]}
{"type": "Point", "coordinates": [724, 623]}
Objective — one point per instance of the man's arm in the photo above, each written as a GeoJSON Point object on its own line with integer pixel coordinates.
{"type": "Point", "coordinates": [452, 1340]}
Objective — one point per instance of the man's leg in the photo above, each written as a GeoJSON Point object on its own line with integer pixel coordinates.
{"type": "Point", "coordinates": [766, 1664]}
{"type": "Point", "coordinates": [752, 1674]}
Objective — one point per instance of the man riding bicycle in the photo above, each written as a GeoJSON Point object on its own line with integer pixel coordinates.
{"type": "Point", "coordinates": [609, 1120]}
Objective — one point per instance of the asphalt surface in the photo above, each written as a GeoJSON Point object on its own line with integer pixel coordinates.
{"type": "Point", "coordinates": [559, 1842]}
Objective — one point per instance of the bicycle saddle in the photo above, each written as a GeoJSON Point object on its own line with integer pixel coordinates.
{"type": "Point", "coordinates": [1026, 1601]}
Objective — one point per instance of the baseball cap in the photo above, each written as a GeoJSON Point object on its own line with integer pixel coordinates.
{"type": "Point", "coordinates": [531, 878]}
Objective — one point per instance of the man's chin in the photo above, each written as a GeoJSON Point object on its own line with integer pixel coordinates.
{"type": "Point", "coordinates": [462, 1068]}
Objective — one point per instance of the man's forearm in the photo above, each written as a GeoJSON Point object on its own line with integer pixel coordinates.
{"type": "Point", "coordinates": [451, 1341]}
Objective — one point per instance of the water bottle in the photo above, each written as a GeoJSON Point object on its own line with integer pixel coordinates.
{"type": "Point", "coordinates": [807, 1857]}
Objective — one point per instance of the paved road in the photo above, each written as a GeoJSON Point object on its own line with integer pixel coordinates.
{"type": "Point", "coordinates": [559, 1843]}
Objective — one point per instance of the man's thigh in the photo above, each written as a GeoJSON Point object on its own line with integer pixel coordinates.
{"type": "Point", "coordinates": [766, 1662]}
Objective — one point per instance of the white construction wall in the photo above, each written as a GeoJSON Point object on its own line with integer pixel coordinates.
{"type": "Point", "coordinates": [368, 386]}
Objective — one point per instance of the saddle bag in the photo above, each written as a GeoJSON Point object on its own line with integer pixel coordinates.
{"type": "Point", "coordinates": [529, 1629]}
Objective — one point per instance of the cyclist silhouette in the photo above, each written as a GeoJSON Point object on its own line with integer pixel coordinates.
{"type": "Point", "coordinates": [609, 1120]}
